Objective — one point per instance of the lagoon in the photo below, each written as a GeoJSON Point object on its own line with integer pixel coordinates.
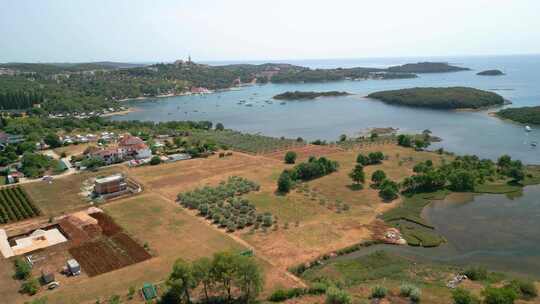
{"type": "Point", "coordinates": [327, 118]}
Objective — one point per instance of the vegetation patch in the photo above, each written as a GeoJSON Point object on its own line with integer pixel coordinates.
{"type": "Point", "coordinates": [530, 115]}
{"type": "Point", "coordinates": [298, 95]}
{"type": "Point", "coordinates": [15, 205]}
{"type": "Point", "coordinates": [440, 98]}
{"type": "Point", "coordinates": [222, 206]}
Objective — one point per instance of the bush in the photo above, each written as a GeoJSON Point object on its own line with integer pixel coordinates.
{"type": "Point", "coordinates": [337, 296]}
{"type": "Point", "coordinates": [22, 269]}
{"type": "Point", "coordinates": [290, 157]}
{"type": "Point", "coordinates": [476, 273]}
{"type": "Point", "coordinates": [30, 287]}
{"type": "Point", "coordinates": [499, 295]}
{"type": "Point", "coordinates": [155, 160]}
{"type": "Point", "coordinates": [281, 295]}
{"type": "Point", "coordinates": [362, 160]}
{"type": "Point", "coordinates": [415, 295]}
{"type": "Point", "coordinates": [284, 182]}
{"type": "Point", "coordinates": [378, 292]}
{"type": "Point", "coordinates": [526, 289]}
{"type": "Point", "coordinates": [463, 296]}
{"type": "Point", "coordinates": [375, 157]}
{"type": "Point", "coordinates": [406, 289]}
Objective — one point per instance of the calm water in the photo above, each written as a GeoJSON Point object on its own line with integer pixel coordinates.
{"type": "Point", "coordinates": [490, 230]}
{"type": "Point", "coordinates": [327, 118]}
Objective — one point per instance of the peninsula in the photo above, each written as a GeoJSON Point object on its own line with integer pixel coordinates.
{"type": "Point", "coordinates": [528, 115]}
{"type": "Point", "coordinates": [296, 95]}
{"type": "Point", "coordinates": [450, 98]}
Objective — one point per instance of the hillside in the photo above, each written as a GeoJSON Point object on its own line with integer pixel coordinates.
{"type": "Point", "coordinates": [426, 67]}
{"type": "Point", "coordinates": [440, 98]}
{"type": "Point", "coordinates": [529, 115]}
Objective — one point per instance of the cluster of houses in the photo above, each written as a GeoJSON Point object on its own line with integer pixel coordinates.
{"type": "Point", "coordinates": [128, 147]}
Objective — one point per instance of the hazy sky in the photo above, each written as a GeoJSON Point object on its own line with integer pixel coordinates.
{"type": "Point", "coordinates": [159, 30]}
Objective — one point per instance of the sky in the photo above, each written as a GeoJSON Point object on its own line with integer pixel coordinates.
{"type": "Point", "coordinates": [208, 30]}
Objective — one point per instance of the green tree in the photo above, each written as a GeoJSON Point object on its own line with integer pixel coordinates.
{"type": "Point", "coordinates": [182, 279]}
{"type": "Point", "coordinates": [357, 174]}
{"type": "Point", "coordinates": [290, 157]}
{"type": "Point", "coordinates": [388, 190]}
{"type": "Point", "coordinates": [284, 182]}
{"type": "Point", "coordinates": [342, 137]}
{"type": "Point", "coordinates": [224, 268]}
{"type": "Point", "coordinates": [220, 127]}
{"type": "Point", "coordinates": [52, 140]}
{"type": "Point", "coordinates": [202, 270]}
{"type": "Point", "coordinates": [375, 157]}
{"type": "Point", "coordinates": [461, 180]}
{"type": "Point", "coordinates": [404, 140]}
{"type": "Point", "coordinates": [378, 177]}
{"type": "Point", "coordinates": [362, 160]}
{"type": "Point", "coordinates": [249, 278]}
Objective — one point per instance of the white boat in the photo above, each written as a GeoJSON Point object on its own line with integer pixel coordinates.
{"type": "Point", "coordinates": [528, 129]}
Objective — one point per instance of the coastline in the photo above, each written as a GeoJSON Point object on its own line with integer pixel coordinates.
{"type": "Point", "coordinates": [123, 112]}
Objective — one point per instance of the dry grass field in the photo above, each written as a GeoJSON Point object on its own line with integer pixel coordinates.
{"type": "Point", "coordinates": [306, 227]}
{"type": "Point", "coordinates": [62, 195]}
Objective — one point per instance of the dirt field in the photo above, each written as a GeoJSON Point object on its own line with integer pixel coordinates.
{"type": "Point", "coordinates": [73, 149]}
{"type": "Point", "coordinates": [113, 250]}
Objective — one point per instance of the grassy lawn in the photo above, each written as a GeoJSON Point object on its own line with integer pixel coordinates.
{"type": "Point", "coordinates": [62, 194]}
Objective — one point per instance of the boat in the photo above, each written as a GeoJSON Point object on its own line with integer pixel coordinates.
{"type": "Point", "coordinates": [282, 103]}
{"type": "Point", "coordinates": [534, 144]}
{"type": "Point", "coordinates": [528, 129]}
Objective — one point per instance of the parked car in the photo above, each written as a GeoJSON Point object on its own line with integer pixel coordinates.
{"type": "Point", "coordinates": [53, 285]}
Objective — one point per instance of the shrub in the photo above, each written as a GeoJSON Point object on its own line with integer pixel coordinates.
{"type": "Point", "coordinates": [290, 157]}
{"type": "Point", "coordinates": [463, 296]}
{"type": "Point", "coordinates": [284, 182]}
{"type": "Point", "coordinates": [378, 292]}
{"type": "Point", "coordinates": [375, 157]}
{"type": "Point", "coordinates": [499, 295]}
{"type": "Point", "coordinates": [415, 295]}
{"type": "Point", "coordinates": [362, 160]}
{"type": "Point", "coordinates": [281, 295]}
{"type": "Point", "coordinates": [526, 289]}
{"type": "Point", "coordinates": [22, 269]}
{"type": "Point", "coordinates": [337, 296]}
{"type": "Point", "coordinates": [405, 290]}
{"type": "Point", "coordinates": [30, 286]}
{"type": "Point", "coordinates": [378, 177]}
{"type": "Point", "coordinates": [476, 273]}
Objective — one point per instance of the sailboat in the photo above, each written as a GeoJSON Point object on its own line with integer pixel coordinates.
{"type": "Point", "coordinates": [528, 129]}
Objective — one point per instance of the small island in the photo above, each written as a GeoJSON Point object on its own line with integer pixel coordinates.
{"type": "Point", "coordinates": [296, 95]}
{"type": "Point", "coordinates": [451, 98]}
{"type": "Point", "coordinates": [426, 67]}
{"type": "Point", "coordinates": [525, 115]}
{"type": "Point", "coordinates": [490, 73]}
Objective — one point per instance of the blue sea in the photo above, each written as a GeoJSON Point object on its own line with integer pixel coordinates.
{"type": "Point", "coordinates": [328, 118]}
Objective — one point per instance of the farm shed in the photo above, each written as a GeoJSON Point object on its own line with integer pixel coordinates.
{"type": "Point", "coordinates": [74, 267]}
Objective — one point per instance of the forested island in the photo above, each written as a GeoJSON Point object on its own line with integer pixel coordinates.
{"type": "Point", "coordinates": [426, 67]}
{"type": "Point", "coordinates": [440, 98]}
{"type": "Point", "coordinates": [490, 73]}
{"type": "Point", "coordinates": [290, 95]}
{"type": "Point", "coordinates": [98, 86]}
{"type": "Point", "coordinates": [529, 115]}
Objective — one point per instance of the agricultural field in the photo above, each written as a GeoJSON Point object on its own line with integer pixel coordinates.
{"type": "Point", "coordinates": [16, 205]}
{"type": "Point", "coordinates": [304, 152]}
{"type": "Point", "coordinates": [113, 251]}
{"type": "Point", "coordinates": [249, 143]}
